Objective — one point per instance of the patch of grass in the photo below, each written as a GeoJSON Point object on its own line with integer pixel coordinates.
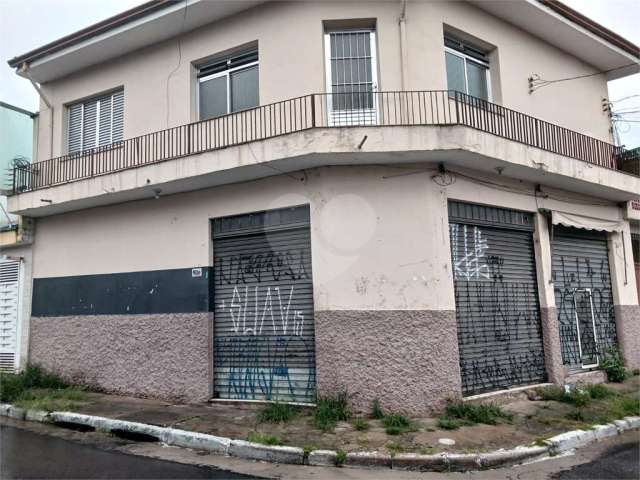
{"type": "Point", "coordinates": [330, 410]}
{"type": "Point", "coordinates": [635, 372]}
{"type": "Point", "coordinates": [51, 400]}
{"type": "Point", "coordinates": [577, 396]}
{"type": "Point", "coordinates": [376, 410]}
{"type": "Point", "coordinates": [394, 448]}
{"type": "Point", "coordinates": [577, 416]}
{"type": "Point", "coordinates": [12, 386]}
{"type": "Point", "coordinates": [263, 438]}
{"type": "Point", "coordinates": [622, 406]}
{"type": "Point", "coordinates": [277, 413]}
{"type": "Point", "coordinates": [551, 392]}
{"type": "Point", "coordinates": [341, 457]}
{"type": "Point", "coordinates": [599, 391]}
{"type": "Point", "coordinates": [360, 424]}
{"type": "Point", "coordinates": [471, 414]}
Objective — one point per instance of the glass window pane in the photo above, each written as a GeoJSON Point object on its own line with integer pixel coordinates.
{"type": "Point", "coordinates": [244, 89]}
{"type": "Point", "coordinates": [213, 97]}
{"type": "Point", "coordinates": [455, 72]}
{"type": "Point", "coordinates": [477, 78]}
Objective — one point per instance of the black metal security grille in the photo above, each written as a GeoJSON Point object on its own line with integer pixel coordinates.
{"type": "Point", "coordinates": [581, 262]}
{"type": "Point", "coordinates": [399, 108]}
{"type": "Point", "coordinates": [264, 344]}
{"type": "Point", "coordinates": [497, 309]}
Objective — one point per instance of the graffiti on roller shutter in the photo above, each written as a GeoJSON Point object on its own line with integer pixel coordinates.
{"type": "Point", "coordinates": [575, 273]}
{"type": "Point", "coordinates": [267, 351]}
{"type": "Point", "coordinates": [497, 311]}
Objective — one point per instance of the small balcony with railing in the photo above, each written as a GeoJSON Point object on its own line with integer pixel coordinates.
{"type": "Point", "coordinates": [363, 114]}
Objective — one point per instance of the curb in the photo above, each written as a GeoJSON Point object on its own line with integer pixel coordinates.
{"type": "Point", "coordinates": [296, 456]}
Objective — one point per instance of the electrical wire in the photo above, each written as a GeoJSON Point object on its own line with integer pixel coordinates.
{"type": "Point", "coordinates": [536, 82]}
{"type": "Point", "coordinates": [184, 19]}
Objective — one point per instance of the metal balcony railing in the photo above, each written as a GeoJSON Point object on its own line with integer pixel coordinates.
{"type": "Point", "coordinates": [401, 108]}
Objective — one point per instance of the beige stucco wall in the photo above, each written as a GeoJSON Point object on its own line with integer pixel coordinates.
{"type": "Point", "coordinates": [380, 238]}
{"type": "Point", "coordinates": [289, 35]}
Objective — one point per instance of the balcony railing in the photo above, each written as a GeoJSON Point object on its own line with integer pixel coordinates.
{"type": "Point", "coordinates": [402, 108]}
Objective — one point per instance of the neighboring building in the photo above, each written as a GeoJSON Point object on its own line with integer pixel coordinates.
{"type": "Point", "coordinates": [17, 129]}
{"type": "Point", "coordinates": [273, 200]}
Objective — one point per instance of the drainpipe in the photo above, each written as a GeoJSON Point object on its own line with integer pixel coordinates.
{"type": "Point", "coordinates": [404, 76]}
{"type": "Point", "coordinates": [403, 46]}
{"type": "Point", "coordinates": [24, 70]}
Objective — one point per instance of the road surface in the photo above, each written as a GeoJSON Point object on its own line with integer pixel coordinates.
{"type": "Point", "coordinates": [25, 454]}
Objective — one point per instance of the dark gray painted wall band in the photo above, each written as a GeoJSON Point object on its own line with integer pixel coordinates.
{"type": "Point", "coordinates": [158, 291]}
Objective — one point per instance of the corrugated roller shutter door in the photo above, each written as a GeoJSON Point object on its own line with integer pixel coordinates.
{"type": "Point", "coordinates": [497, 308]}
{"type": "Point", "coordinates": [581, 261]}
{"type": "Point", "coordinates": [9, 301]}
{"type": "Point", "coordinates": [264, 337]}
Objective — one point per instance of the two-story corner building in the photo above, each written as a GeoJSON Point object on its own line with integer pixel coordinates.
{"type": "Point", "coordinates": [409, 200]}
{"type": "Point", "coordinates": [17, 132]}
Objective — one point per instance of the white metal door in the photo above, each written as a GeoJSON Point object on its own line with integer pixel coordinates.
{"type": "Point", "coordinates": [9, 311]}
{"type": "Point", "coordinates": [352, 79]}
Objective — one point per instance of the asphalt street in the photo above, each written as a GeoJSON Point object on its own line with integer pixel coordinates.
{"type": "Point", "coordinates": [25, 454]}
{"type": "Point", "coordinates": [618, 462]}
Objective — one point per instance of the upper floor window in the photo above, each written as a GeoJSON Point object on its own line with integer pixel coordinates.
{"type": "Point", "coordinates": [467, 68]}
{"type": "Point", "coordinates": [96, 121]}
{"type": "Point", "coordinates": [351, 76]}
{"type": "Point", "coordinates": [228, 84]}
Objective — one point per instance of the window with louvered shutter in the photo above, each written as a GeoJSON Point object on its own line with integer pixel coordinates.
{"type": "Point", "coordinates": [75, 128]}
{"type": "Point", "coordinates": [96, 122]}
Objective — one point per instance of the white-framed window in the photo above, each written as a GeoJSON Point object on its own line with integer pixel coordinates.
{"type": "Point", "coordinates": [95, 122]}
{"type": "Point", "coordinates": [351, 74]}
{"type": "Point", "coordinates": [467, 68]}
{"type": "Point", "coordinates": [228, 84]}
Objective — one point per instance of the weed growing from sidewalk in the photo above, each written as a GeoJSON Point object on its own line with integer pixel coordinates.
{"type": "Point", "coordinates": [13, 385]}
{"type": "Point", "coordinates": [263, 438]}
{"type": "Point", "coordinates": [36, 389]}
{"type": "Point", "coordinates": [360, 424]}
{"type": "Point", "coordinates": [277, 413]}
{"type": "Point", "coordinates": [341, 457]}
{"type": "Point", "coordinates": [376, 410]}
{"type": "Point", "coordinates": [396, 424]}
{"type": "Point", "coordinates": [394, 448]}
{"type": "Point", "coordinates": [613, 364]}
{"type": "Point", "coordinates": [458, 414]}
{"type": "Point", "coordinates": [330, 410]}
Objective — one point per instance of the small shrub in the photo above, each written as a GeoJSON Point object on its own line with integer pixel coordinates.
{"type": "Point", "coordinates": [446, 423]}
{"type": "Point", "coordinates": [599, 391]}
{"type": "Point", "coordinates": [552, 392]}
{"type": "Point", "coordinates": [360, 424]}
{"type": "Point", "coordinates": [376, 410]}
{"type": "Point", "coordinates": [489, 414]}
{"type": "Point", "coordinates": [330, 410]}
{"type": "Point", "coordinates": [277, 413]}
{"type": "Point", "coordinates": [578, 397]}
{"type": "Point", "coordinates": [341, 457]}
{"type": "Point", "coordinates": [613, 364]}
{"type": "Point", "coordinates": [393, 430]}
{"type": "Point", "coordinates": [265, 439]}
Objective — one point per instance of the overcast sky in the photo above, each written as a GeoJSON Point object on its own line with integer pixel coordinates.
{"type": "Point", "coordinates": [27, 24]}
